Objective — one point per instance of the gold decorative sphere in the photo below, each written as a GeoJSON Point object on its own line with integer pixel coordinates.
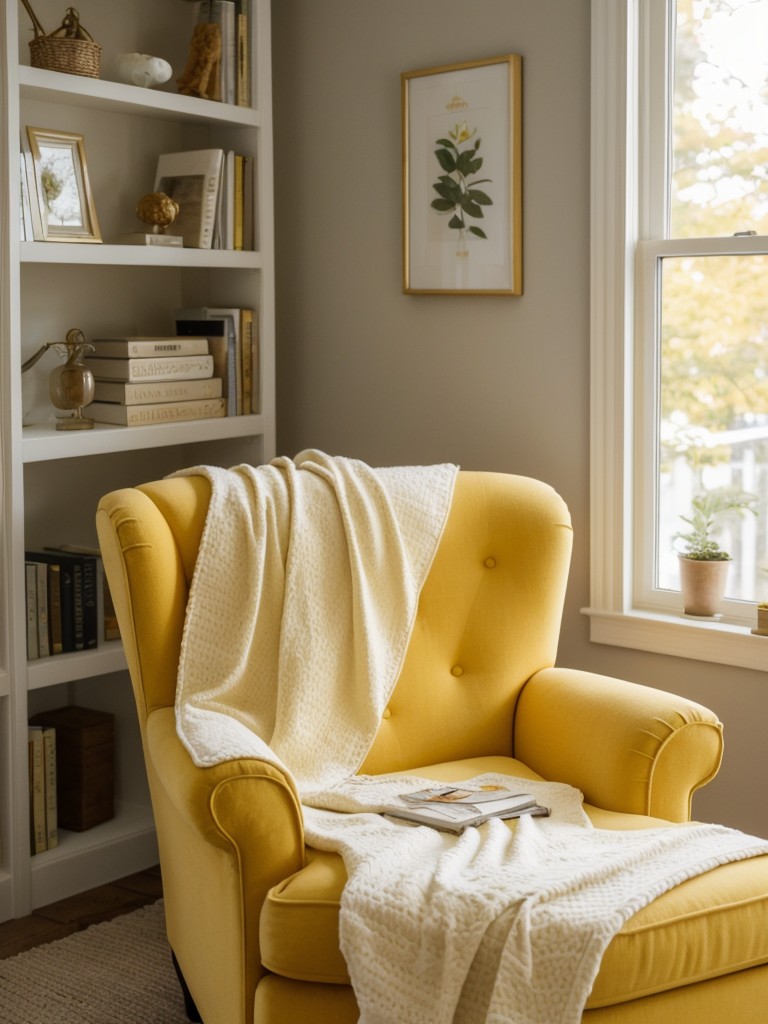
{"type": "Point", "coordinates": [157, 209]}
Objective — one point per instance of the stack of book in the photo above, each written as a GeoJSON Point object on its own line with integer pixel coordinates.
{"type": "Point", "coordinates": [67, 603]}
{"type": "Point", "coordinates": [215, 193]}
{"type": "Point", "coordinates": [233, 340]}
{"type": "Point", "coordinates": [43, 803]}
{"type": "Point", "coordinates": [145, 381]}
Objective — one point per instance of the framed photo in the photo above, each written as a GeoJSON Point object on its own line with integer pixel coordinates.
{"type": "Point", "coordinates": [462, 169]}
{"type": "Point", "coordinates": [61, 199]}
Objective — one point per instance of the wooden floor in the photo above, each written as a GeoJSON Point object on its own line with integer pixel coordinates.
{"type": "Point", "coordinates": [77, 912]}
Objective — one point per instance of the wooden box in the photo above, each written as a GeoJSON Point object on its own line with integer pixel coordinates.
{"type": "Point", "coordinates": [85, 765]}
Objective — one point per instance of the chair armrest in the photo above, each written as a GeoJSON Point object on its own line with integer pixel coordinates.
{"type": "Point", "coordinates": [227, 834]}
{"type": "Point", "coordinates": [627, 747]}
{"type": "Point", "coordinates": [247, 804]}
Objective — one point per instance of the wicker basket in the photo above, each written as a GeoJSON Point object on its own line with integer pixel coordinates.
{"type": "Point", "coordinates": [72, 56]}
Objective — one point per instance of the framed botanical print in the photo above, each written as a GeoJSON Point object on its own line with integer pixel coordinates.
{"type": "Point", "coordinates": [462, 170]}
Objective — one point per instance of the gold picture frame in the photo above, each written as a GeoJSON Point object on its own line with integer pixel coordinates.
{"type": "Point", "coordinates": [462, 178]}
{"type": "Point", "coordinates": [60, 193]}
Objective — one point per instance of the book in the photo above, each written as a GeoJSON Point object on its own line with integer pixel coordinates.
{"type": "Point", "coordinates": [43, 635]}
{"type": "Point", "coordinates": [37, 842]}
{"type": "Point", "coordinates": [49, 782]}
{"type": "Point", "coordinates": [227, 205]}
{"type": "Point", "coordinates": [193, 180]}
{"type": "Point", "coordinates": [152, 369]}
{"type": "Point", "coordinates": [164, 412]}
{"type": "Point", "coordinates": [33, 649]}
{"type": "Point", "coordinates": [142, 347]}
{"type": "Point", "coordinates": [158, 391]}
{"type": "Point", "coordinates": [249, 205]}
{"type": "Point", "coordinates": [458, 806]}
{"type": "Point", "coordinates": [250, 345]}
{"type": "Point", "coordinates": [54, 608]}
{"type": "Point", "coordinates": [243, 92]}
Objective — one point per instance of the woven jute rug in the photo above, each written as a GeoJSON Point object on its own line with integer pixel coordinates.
{"type": "Point", "coordinates": [119, 972]}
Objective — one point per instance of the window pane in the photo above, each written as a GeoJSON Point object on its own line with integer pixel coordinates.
{"type": "Point", "coordinates": [720, 119]}
{"type": "Point", "coordinates": [713, 409]}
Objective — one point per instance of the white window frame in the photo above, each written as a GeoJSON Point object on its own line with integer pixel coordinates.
{"type": "Point", "coordinates": [628, 210]}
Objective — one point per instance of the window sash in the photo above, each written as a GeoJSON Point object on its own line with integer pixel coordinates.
{"type": "Point", "coordinates": [650, 255]}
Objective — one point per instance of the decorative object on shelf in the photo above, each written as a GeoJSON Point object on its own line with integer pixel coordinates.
{"type": "Point", "coordinates": [762, 619]}
{"type": "Point", "coordinates": [201, 75]}
{"type": "Point", "coordinates": [71, 48]}
{"type": "Point", "coordinates": [462, 171]}
{"type": "Point", "coordinates": [62, 206]}
{"type": "Point", "coordinates": [71, 386]}
{"type": "Point", "coordinates": [159, 211]}
{"type": "Point", "coordinates": [141, 69]}
{"type": "Point", "coordinates": [704, 564]}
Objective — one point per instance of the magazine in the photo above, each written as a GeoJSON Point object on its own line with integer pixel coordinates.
{"type": "Point", "coordinates": [458, 806]}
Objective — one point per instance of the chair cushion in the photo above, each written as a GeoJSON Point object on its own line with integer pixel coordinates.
{"type": "Point", "coordinates": [709, 926]}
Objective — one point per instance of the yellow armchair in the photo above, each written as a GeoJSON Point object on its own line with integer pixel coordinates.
{"type": "Point", "coordinates": [252, 912]}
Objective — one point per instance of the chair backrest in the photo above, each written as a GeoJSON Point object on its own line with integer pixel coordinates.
{"type": "Point", "coordinates": [488, 617]}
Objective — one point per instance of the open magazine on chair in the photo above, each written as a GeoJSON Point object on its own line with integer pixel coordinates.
{"type": "Point", "coordinates": [457, 806]}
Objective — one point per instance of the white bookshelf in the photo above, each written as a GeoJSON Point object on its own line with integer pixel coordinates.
{"type": "Point", "coordinates": [50, 481]}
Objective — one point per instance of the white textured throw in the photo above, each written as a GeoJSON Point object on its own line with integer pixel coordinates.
{"type": "Point", "coordinates": [505, 924]}
{"type": "Point", "coordinates": [301, 607]}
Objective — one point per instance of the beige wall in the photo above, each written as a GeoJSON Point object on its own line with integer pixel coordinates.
{"type": "Point", "coordinates": [489, 383]}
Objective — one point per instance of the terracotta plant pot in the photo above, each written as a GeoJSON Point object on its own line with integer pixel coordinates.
{"type": "Point", "coordinates": [703, 585]}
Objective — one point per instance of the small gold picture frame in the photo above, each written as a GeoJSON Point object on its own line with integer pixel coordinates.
{"type": "Point", "coordinates": [60, 193]}
{"type": "Point", "coordinates": [462, 170]}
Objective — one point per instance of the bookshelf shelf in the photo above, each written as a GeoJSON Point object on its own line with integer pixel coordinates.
{"type": "Point", "coordinates": [52, 480]}
{"type": "Point", "coordinates": [98, 94]}
{"type": "Point", "coordinates": [85, 859]}
{"type": "Point", "coordinates": [65, 668]}
{"type": "Point", "coordinates": [45, 443]}
{"type": "Point", "coordinates": [88, 254]}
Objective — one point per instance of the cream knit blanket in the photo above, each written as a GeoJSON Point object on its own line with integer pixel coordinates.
{"type": "Point", "coordinates": [301, 606]}
{"type": "Point", "coordinates": [299, 615]}
{"type": "Point", "coordinates": [506, 924]}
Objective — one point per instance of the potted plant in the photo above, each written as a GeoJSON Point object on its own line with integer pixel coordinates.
{"type": "Point", "coordinates": [703, 563]}
{"type": "Point", "coordinates": [762, 619]}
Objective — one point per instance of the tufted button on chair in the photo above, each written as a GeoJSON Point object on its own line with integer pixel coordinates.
{"type": "Point", "coordinates": [252, 913]}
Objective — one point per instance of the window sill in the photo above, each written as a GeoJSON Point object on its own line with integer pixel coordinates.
{"type": "Point", "coordinates": [719, 642]}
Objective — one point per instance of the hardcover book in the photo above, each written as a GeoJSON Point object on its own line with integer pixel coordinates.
{"type": "Point", "coordinates": [165, 412]}
{"type": "Point", "coordinates": [193, 179]}
{"type": "Point", "coordinates": [152, 369]}
{"type": "Point", "coordinates": [143, 347]}
{"type": "Point", "coordinates": [158, 391]}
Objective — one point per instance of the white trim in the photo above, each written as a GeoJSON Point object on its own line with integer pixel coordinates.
{"type": "Point", "coordinates": [613, 233]}
{"type": "Point", "coordinates": [716, 642]}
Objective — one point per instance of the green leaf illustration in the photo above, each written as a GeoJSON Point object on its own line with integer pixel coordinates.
{"type": "Point", "coordinates": [457, 193]}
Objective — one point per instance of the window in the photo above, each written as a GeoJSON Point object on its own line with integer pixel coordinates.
{"type": "Point", "coordinates": [679, 312]}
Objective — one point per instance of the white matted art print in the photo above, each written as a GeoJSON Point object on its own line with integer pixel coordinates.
{"type": "Point", "coordinates": [462, 168]}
